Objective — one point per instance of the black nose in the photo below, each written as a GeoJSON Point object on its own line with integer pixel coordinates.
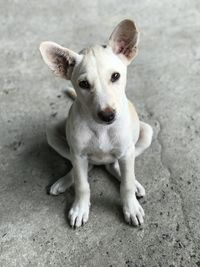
{"type": "Point", "coordinates": [107, 115]}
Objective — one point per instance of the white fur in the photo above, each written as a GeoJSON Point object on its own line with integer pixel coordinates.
{"type": "Point", "coordinates": [86, 140]}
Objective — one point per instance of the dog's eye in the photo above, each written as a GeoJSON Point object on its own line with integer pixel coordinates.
{"type": "Point", "coordinates": [84, 84]}
{"type": "Point", "coordinates": [115, 76]}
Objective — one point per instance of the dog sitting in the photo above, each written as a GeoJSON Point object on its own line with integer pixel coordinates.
{"type": "Point", "coordinates": [102, 126]}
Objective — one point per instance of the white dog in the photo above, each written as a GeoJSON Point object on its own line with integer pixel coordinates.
{"type": "Point", "coordinates": [102, 126]}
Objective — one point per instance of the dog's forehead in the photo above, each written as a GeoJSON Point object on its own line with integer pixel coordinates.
{"type": "Point", "coordinates": [101, 57]}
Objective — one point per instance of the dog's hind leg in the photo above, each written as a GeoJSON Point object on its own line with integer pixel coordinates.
{"type": "Point", "coordinates": [145, 138]}
{"type": "Point", "coordinates": [56, 138]}
{"type": "Point", "coordinates": [114, 170]}
{"type": "Point", "coordinates": [62, 184]}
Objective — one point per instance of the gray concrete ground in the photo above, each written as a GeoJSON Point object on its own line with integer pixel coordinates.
{"type": "Point", "coordinates": [163, 83]}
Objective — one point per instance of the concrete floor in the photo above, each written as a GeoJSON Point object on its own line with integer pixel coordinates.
{"type": "Point", "coordinates": [163, 83]}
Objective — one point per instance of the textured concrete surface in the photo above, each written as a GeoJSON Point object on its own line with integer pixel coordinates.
{"type": "Point", "coordinates": [163, 83]}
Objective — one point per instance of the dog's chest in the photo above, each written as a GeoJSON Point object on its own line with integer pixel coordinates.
{"type": "Point", "coordinates": [103, 147]}
{"type": "Point", "coordinates": [99, 143]}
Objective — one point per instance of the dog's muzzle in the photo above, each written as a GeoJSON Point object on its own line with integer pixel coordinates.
{"type": "Point", "coordinates": [107, 115]}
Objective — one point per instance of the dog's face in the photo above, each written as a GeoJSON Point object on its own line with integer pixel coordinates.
{"type": "Point", "coordinates": [98, 74]}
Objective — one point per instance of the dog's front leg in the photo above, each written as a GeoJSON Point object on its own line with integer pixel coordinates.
{"type": "Point", "coordinates": [79, 212]}
{"type": "Point", "coordinates": [133, 212]}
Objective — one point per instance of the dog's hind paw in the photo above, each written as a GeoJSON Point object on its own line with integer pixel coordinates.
{"type": "Point", "coordinates": [61, 185]}
{"type": "Point", "coordinates": [140, 191]}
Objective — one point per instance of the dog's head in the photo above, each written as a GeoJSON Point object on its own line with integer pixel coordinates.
{"type": "Point", "coordinates": [98, 73]}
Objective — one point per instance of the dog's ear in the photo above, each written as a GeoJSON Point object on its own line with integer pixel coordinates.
{"type": "Point", "coordinates": [124, 40]}
{"type": "Point", "coordinates": [59, 59]}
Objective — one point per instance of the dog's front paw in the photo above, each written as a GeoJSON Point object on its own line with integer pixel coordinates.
{"type": "Point", "coordinates": [79, 213]}
{"type": "Point", "coordinates": [133, 212]}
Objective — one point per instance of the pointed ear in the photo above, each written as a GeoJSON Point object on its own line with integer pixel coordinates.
{"type": "Point", "coordinates": [59, 59]}
{"type": "Point", "coordinates": [124, 40]}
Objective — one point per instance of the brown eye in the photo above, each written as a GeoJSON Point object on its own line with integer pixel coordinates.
{"type": "Point", "coordinates": [115, 76]}
{"type": "Point", "coordinates": [84, 84]}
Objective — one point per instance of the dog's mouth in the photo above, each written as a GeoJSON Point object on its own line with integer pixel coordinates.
{"type": "Point", "coordinates": [103, 122]}
{"type": "Point", "coordinates": [107, 123]}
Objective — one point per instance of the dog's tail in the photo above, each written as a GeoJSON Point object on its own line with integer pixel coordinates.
{"type": "Point", "coordinates": [71, 93]}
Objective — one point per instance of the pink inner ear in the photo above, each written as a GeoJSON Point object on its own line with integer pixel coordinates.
{"type": "Point", "coordinates": [123, 47]}
{"type": "Point", "coordinates": [120, 46]}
